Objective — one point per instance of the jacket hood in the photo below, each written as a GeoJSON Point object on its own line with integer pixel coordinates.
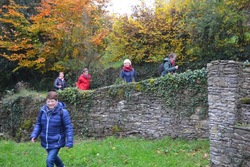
{"type": "Point", "coordinates": [62, 105]}
{"type": "Point", "coordinates": [166, 59]}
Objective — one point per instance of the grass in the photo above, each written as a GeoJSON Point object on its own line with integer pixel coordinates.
{"type": "Point", "coordinates": [112, 152]}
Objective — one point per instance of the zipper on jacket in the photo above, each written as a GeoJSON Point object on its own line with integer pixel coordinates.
{"type": "Point", "coordinates": [47, 129]}
{"type": "Point", "coordinates": [59, 138]}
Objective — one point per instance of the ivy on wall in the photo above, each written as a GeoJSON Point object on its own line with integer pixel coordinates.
{"type": "Point", "coordinates": [185, 92]}
{"type": "Point", "coordinates": [73, 96]}
{"type": "Point", "coordinates": [79, 100]}
{"type": "Point", "coordinates": [13, 107]}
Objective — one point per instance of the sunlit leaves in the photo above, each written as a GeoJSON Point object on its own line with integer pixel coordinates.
{"type": "Point", "coordinates": [15, 38]}
{"type": "Point", "coordinates": [149, 35]}
{"type": "Point", "coordinates": [67, 30]}
{"type": "Point", "coordinates": [62, 30]}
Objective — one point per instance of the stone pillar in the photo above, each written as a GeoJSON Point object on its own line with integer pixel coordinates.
{"type": "Point", "coordinates": [224, 78]}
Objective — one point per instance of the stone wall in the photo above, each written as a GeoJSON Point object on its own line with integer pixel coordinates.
{"type": "Point", "coordinates": [245, 92]}
{"type": "Point", "coordinates": [143, 114]}
{"type": "Point", "coordinates": [130, 112]}
{"type": "Point", "coordinates": [229, 135]}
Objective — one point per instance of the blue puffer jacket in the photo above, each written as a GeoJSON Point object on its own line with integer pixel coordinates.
{"type": "Point", "coordinates": [128, 76]}
{"type": "Point", "coordinates": [54, 127]}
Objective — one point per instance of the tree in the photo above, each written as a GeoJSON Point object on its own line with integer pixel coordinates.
{"type": "Point", "coordinates": [72, 36]}
{"type": "Point", "coordinates": [148, 35]}
{"type": "Point", "coordinates": [218, 30]}
{"type": "Point", "coordinates": [15, 38]}
{"type": "Point", "coordinates": [198, 31]}
{"type": "Point", "coordinates": [62, 31]}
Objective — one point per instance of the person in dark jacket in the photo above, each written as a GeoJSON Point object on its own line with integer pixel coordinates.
{"type": "Point", "coordinates": [60, 83]}
{"type": "Point", "coordinates": [169, 64]}
{"type": "Point", "coordinates": [128, 73]}
{"type": "Point", "coordinates": [54, 126]}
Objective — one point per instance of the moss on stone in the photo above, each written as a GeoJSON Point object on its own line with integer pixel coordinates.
{"type": "Point", "coordinates": [115, 129]}
{"type": "Point", "coordinates": [138, 86]}
{"type": "Point", "coordinates": [27, 124]}
{"type": "Point", "coordinates": [245, 100]}
{"type": "Point", "coordinates": [243, 125]}
{"type": "Point", "coordinates": [120, 92]}
{"type": "Point", "coordinates": [151, 81]}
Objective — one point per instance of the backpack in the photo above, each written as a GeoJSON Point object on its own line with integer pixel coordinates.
{"type": "Point", "coordinates": [161, 68]}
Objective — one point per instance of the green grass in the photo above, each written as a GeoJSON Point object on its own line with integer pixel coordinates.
{"type": "Point", "coordinates": [112, 152]}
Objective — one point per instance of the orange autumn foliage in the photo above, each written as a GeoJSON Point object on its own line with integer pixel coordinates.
{"type": "Point", "coordinates": [62, 30]}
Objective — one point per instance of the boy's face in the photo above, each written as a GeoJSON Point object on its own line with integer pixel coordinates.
{"type": "Point", "coordinates": [51, 103]}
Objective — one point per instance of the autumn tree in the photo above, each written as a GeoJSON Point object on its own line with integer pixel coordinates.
{"type": "Point", "coordinates": [74, 28]}
{"type": "Point", "coordinates": [198, 31]}
{"type": "Point", "coordinates": [149, 34]}
{"type": "Point", "coordinates": [62, 33]}
{"type": "Point", "coordinates": [15, 39]}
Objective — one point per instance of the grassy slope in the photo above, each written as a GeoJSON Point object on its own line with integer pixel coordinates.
{"type": "Point", "coordinates": [112, 152]}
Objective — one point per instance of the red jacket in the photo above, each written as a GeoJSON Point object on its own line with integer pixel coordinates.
{"type": "Point", "coordinates": [83, 82]}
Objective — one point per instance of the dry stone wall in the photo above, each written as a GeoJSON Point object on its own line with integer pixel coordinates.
{"type": "Point", "coordinates": [129, 113]}
{"type": "Point", "coordinates": [144, 115]}
{"type": "Point", "coordinates": [229, 135]}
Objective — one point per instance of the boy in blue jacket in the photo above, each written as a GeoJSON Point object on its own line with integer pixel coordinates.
{"type": "Point", "coordinates": [55, 129]}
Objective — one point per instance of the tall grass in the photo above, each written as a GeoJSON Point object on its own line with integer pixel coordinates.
{"type": "Point", "coordinates": [112, 152]}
